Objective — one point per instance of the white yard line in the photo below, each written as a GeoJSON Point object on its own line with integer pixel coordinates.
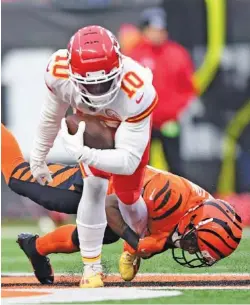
{"type": "Point", "coordinates": [202, 288]}
{"type": "Point", "coordinates": [70, 295]}
{"type": "Point", "coordinates": [56, 295]}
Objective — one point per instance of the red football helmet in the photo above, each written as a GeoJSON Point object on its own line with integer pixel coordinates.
{"type": "Point", "coordinates": [95, 65]}
{"type": "Point", "coordinates": [208, 232]}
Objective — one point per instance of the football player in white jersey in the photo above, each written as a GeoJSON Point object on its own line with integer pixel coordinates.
{"type": "Point", "coordinates": [93, 77]}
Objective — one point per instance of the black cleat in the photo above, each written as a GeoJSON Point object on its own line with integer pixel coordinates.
{"type": "Point", "coordinates": [41, 264]}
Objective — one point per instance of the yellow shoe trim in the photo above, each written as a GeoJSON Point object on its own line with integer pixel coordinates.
{"type": "Point", "coordinates": [93, 281]}
{"type": "Point", "coordinates": [91, 259]}
{"type": "Point", "coordinates": [128, 266]}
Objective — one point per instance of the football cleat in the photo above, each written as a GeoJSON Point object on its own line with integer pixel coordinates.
{"type": "Point", "coordinates": [41, 264]}
{"type": "Point", "coordinates": [129, 265]}
{"type": "Point", "coordinates": [92, 278]}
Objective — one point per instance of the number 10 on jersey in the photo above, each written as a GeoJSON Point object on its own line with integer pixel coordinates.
{"type": "Point", "coordinates": [131, 83]}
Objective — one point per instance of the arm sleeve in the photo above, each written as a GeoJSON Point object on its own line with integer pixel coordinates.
{"type": "Point", "coordinates": [117, 223]}
{"type": "Point", "coordinates": [131, 140]}
{"type": "Point", "coordinates": [52, 112]}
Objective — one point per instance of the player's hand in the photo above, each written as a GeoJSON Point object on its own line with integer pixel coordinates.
{"type": "Point", "coordinates": [151, 244]}
{"type": "Point", "coordinates": [148, 245]}
{"type": "Point", "coordinates": [40, 172]}
{"type": "Point", "coordinates": [128, 248]}
{"type": "Point", "coordinates": [73, 144]}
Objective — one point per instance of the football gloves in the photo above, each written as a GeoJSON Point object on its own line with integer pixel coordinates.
{"type": "Point", "coordinates": [40, 172]}
{"type": "Point", "coordinates": [73, 144]}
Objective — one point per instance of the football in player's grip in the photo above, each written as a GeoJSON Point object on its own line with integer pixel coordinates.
{"type": "Point", "coordinates": [97, 134]}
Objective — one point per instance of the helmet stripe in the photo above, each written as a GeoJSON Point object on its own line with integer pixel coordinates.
{"type": "Point", "coordinates": [211, 203]}
{"type": "Point", "coordinates": [221, 255]}
{"type": "Point", "coordinates": [216, 234]}
{"type": "Point", "coordinates": [227, 229]}
{"type": "Point", "coordinates": [171, 210]}
{"type": "Point", "coordinates": [230, 209]}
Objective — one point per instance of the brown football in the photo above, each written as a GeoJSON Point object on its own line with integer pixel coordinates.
{"type": "Point", "coordinates": [97, 134]}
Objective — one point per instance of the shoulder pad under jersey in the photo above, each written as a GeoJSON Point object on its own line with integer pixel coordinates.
{"type": "Point", "coordinates": [56, 74]}
{"type": "Point", "coordinates": [138, 92]}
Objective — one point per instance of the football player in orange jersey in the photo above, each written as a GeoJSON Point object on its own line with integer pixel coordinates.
{"type": "Point", "coordinates": [182, 216]}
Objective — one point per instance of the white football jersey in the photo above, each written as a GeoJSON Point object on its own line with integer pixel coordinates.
{"type": "Point", "coordinates": [135, 101]}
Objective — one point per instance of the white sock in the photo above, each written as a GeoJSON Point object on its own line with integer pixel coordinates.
{"type": "Point", "coordinates": [135, 215]}
{"type": "Point", "coordinates": [91, 219]}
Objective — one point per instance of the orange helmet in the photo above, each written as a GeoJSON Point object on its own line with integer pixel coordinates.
{"type": "Point", "coordinates": [207, 233]}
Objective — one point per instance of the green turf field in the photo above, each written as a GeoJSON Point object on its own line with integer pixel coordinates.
{"type": "Point", "coordinates": [13, 260]}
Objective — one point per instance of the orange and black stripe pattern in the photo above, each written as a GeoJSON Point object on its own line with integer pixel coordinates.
{"type": "Point", "coordinates": [165, 196]}
{"type": "Point", "coordinates": [221, 236]}
{"type": "Point", "coordinates": [64, 177]}
{"type": "Point", "coordinates": [164, 201]}
{"type": "Point", "coordinates": [20, 171]}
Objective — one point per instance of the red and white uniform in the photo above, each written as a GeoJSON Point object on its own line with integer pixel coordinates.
{"type": "Point", "coordinates": [94, 78]}
{"type": "Point", "coordinates": [129, 113]}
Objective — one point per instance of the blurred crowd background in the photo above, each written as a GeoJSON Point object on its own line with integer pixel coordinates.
{"type": "Point", "coordinates": [199, 52]}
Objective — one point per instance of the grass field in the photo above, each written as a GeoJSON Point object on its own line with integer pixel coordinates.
{"type": "Point", "coordinates": [14, 261]}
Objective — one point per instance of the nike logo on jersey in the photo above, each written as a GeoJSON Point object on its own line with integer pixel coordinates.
{"type": "Point", "coordinates": [139, 100]}
{"type": "Point", "coordinates": [47, 69]}
{"type": "Point", "coordinates": [151, 197]}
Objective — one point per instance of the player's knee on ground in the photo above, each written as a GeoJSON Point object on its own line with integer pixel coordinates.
{"type": "Point", "coordinates": [110, 237]}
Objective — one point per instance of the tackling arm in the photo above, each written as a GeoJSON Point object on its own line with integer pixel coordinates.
{"type": "Point", "coordinates": [145, 247]}
{"type": "Point", "coordinates": [117, 224]}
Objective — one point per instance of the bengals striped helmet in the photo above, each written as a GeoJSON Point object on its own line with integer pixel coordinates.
{"type": "Point", "coordinates": [207, 233]}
